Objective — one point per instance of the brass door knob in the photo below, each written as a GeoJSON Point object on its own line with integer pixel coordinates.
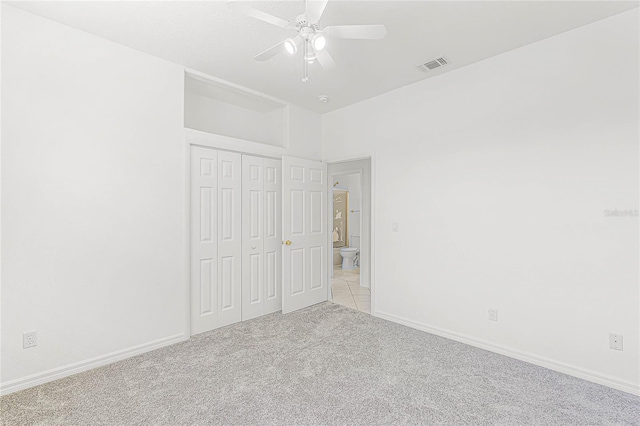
{"type": "Point", "coordinates": [288, 242]}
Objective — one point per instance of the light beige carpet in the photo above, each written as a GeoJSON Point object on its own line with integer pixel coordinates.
{"type": "Point", "coordinates": [325, 365]}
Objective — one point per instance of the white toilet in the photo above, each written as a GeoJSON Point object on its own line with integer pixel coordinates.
{"type": "Point", "coordinates": [348, 254]}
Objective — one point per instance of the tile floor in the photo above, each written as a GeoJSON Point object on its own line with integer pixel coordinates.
{"type": "Point", "coordinates": [346, 290]}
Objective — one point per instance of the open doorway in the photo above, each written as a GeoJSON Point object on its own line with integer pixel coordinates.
{"type": "Point", "coordinates": [350, 231]}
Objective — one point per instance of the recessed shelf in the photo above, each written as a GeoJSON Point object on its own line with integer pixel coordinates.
{"type": "Point", "coordinates": [214, 107]}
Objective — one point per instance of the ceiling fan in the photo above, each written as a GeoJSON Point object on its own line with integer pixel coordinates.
{"type": "Point", "coordinates": [311, 37]}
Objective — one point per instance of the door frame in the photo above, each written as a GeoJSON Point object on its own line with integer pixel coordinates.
{"type": "Point", "coordinates": [221, 143]}
{"type": "Point", "coordinates": [372, 163]}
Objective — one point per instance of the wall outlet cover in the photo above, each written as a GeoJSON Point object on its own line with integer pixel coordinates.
{"type": "Point", "coordinates": [615, 341]}
{"type": "Point", "coordinates": [493, 314]}
{"type": "Point", "coordinates": [29, 339]}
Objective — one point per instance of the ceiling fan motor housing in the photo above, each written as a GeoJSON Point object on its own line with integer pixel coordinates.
{"type": "Point", "coordinates": [306, 32]}
{"type": "Point", "coordinates": [301, 21]}
{"type": "Point", "coordinates": [305, 29]}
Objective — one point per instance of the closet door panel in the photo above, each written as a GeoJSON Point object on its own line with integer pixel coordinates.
{"type": "Point", "coordinates": [204, 240]}
{"type": "Point", "coordinates": [252, 237]}
{"type": "Point", "coordinates": [273, 235]}
{"type": "Point", "coordinates": [229, 238]}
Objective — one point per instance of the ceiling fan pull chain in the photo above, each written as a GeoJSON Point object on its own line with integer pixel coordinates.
{"type": "Point", "coordinates": [305, 63]}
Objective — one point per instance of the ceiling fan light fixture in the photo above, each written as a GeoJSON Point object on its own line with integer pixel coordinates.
{"type": "Point", "coordinates": [318, 41]}
{"type": "Point", "coordinates": [290, 46]}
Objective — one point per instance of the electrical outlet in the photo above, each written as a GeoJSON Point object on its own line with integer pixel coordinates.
{"type": "Point", "coordinates": [394, 226]}
{"type": "Point", "coordinates": [615, 341]}
{"type": "Point", "coordinates": [493, 314]}
{"type": "Point", "coordinates": [29, 339]}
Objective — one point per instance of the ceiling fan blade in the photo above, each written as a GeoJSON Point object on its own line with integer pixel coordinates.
{"type": "Point", "coordinates": [325, 59]}
{"type": "Point", "coordinates": [271, 52]}
{"type": "Point", "coordinates": [370, 32]}
{"type": "Point", "coordinates": [245, 9]}
{"type": "Point", "coordinates": [315, 9]}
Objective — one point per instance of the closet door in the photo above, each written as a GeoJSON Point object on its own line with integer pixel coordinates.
{"type": "Point", "coordinates": [229, 238]}
{"type": "Point", "coordinates": [204, 239]}
{"type": "Point", "coordinates": [273, 235]}
{"type": "Point", "coordinates": [261, 236]}
{"type": "Point", "coordinates": [253, 292]}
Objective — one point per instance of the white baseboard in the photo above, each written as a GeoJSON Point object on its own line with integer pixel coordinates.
{"type": "Point", "coordinates": [78, 367]}
{"type": "Point", "coordinates": [571, 370]}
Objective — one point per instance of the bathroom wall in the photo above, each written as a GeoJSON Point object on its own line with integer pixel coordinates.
{"type": "Point", "coordinates": [499, 175]}
{"type": "Point", "coordinates": [352, 183]}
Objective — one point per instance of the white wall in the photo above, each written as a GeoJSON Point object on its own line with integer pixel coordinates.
{"type": "Point", "coordinates": [215, 116]}
{"type": "Point", "coordinates": [305, 133]}
{"type": "Point", "coordinates": [93, 198]}
{"type": "Point", "coordinates": [499, 174]}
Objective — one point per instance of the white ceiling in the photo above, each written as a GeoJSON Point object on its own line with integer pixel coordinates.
{"type": "Point", "coordinates": [206, 36]}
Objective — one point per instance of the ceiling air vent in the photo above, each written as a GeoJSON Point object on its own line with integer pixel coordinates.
{"type": "Point", "coordinates": [434, 64]}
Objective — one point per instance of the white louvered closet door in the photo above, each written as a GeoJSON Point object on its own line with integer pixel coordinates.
{"type": "Point", "coordinates": [261, 236]}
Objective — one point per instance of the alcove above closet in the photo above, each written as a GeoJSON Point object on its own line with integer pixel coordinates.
{"type": "Point", "coordinates": [222, 109]}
